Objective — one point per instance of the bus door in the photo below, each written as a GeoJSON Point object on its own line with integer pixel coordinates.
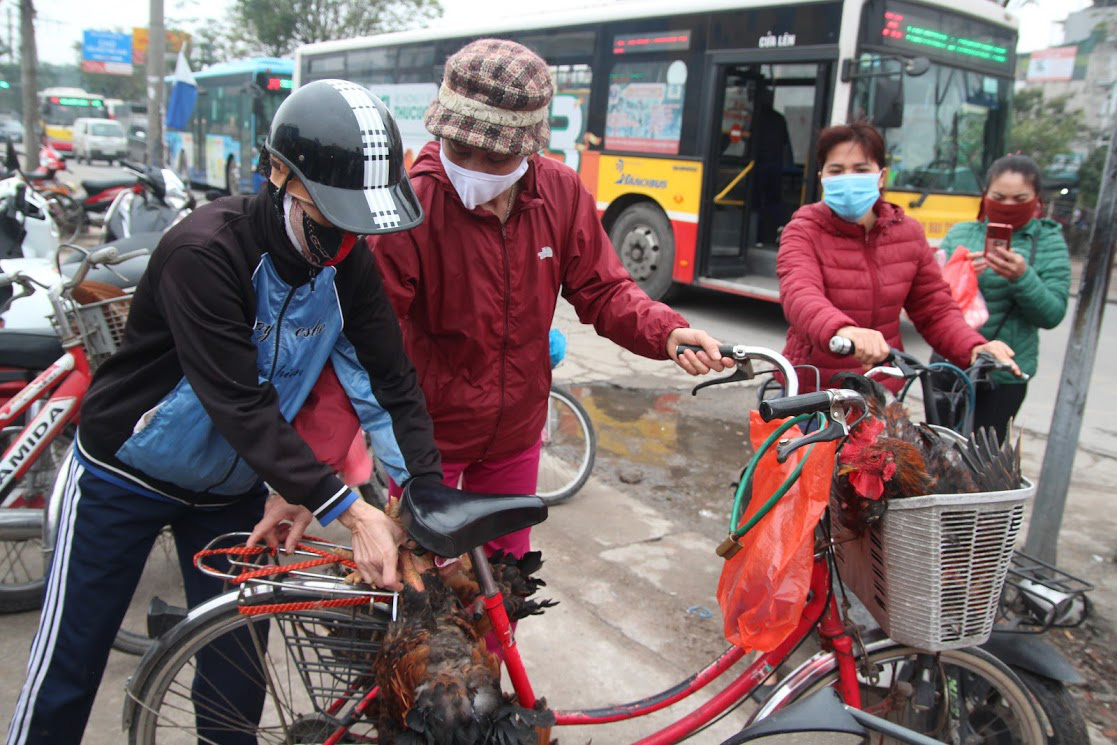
{"type": "Point", "coordinates": [764, 123]}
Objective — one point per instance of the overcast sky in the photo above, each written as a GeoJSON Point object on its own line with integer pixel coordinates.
{"type": "Point", "coordinates": [60, 22]}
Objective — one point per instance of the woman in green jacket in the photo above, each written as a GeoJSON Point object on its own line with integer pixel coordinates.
{"type": "Point", "coordinates": [1025, 285]}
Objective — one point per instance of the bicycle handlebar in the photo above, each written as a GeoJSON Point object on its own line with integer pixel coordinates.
{"type": "Point", "coordinates": [726, 350]}
{"type": "Point", "coordinates": [807, 403]}
{"type": "Point", "coordinates": [742, 353]}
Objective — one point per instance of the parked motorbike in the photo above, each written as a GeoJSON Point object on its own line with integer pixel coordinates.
{"type": "Point", "coordinates": [27, 227]}
{"type": "Point", "coordinates": [162, 201]}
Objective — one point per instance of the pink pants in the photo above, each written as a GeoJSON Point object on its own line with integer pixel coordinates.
{"type": "Point", "coordinates": [516, 474]}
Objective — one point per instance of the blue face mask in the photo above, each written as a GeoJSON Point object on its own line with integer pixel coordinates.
{"type": "Point", "coordinates": [851, 195]}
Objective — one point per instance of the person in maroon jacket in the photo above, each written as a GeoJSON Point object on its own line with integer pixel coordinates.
{"type": "Point", "coordinates": [849, 264]}
{"type": "Point", "coordinates": [476, 286]}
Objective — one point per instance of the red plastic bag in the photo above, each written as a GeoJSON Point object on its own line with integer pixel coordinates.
{"type": "Point", "coordinates": [763, 587]}
{"type": "Point", "coordinates": [960, 274]}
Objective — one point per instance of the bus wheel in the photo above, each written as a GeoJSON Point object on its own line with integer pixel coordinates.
{"type": "Point", "coordinates": [232, 177]}
{"type": "Point", "coordinates": [643, 239]}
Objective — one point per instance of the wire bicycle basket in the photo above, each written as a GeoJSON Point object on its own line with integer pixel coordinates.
{"type": "Point", "coordinates": [100, 325]}
{"type": "Point", "coordinates": [932, 569]}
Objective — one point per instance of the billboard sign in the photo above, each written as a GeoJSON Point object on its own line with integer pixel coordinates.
{"type": "Point", "coordinates": [1052, 65]}
{"type": "Point", "coordinates": [106, 52]}
{"type": "Point", "coordinates": [174, 41]}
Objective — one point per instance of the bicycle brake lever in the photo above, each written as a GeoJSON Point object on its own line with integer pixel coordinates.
{"type": "Point", "coordinates": [744, 371]}
{"type": "Point", "coordinates": [832, 431]}
{"type": "Point", "coordinates": [836, 429]}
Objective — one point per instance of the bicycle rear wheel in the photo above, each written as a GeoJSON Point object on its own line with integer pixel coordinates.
{"type": "Point", "coordinates": [294, 673]}
{"type": "Point", "coordinates": [569, 448]}
{"type": "Point", "coordinates": [960, 695]}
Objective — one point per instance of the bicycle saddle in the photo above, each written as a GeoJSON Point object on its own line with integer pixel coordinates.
{"type": "Point", "coordinates": [29, 350]}
{"type": "Point", "coordinates": [449, 522]}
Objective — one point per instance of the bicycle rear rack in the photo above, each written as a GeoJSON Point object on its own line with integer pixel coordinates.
{"type": "Point", "coordinates": [326, 580]}
{"type": "Point", "coordinates": [1038, 596]}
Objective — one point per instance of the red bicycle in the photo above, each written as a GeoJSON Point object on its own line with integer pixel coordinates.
{"type": "Point", "coordinates": [37, 416]}
{"type": "Point", "coordinates": [308, 638]}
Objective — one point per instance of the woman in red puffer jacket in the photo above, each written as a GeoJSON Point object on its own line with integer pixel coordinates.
{"type": "Point", "coordinates": [848, 264]}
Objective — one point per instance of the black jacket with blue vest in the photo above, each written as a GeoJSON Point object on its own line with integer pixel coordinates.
{"type": "Point", "coordinates": [228, 332]}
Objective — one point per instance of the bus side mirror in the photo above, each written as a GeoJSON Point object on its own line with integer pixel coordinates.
{"type": "Point", "coordinates": [888, 102]}
{"type": "Point", "coordinates": [916, 66]}
{"type": "Point", "coordinates": [11, 160]}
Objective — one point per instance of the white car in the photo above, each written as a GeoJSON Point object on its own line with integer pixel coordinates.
{"type": "Point", "coordinates": [102, 139]}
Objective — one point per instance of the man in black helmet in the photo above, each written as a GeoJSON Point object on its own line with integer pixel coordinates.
{"type": "Point", "coordinates": [242, 305]}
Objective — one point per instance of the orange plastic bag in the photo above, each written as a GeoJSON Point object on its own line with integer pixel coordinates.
{"type": "Point", "coordinates": [960, 274]}
{"type": "Point", "coordinates": [763, 588]}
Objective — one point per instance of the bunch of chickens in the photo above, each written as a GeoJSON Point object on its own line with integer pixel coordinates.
{"type": "Point", "coordinates": [439, 683]}
{"type": "Point", "coordinates": [887, 456]}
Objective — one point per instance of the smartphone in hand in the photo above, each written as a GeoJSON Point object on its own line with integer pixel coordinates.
{"type": "Point", "coordinates": [998, 238]}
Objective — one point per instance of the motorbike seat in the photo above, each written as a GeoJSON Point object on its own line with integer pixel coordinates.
{"type": "Point", "coordinates": [95, 185]}
{"type": "Point", "coordinates": [29, 350]}
{"type": "Point", "coordinates": [449, 522]}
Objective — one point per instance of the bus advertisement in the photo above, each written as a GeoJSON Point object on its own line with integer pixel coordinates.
{"type": "Point", "coordinates": [221, 143]}
{"type": "Point", "coordinates": [59, 108]}
{"type": "Point", "coordinates": [695, 129]}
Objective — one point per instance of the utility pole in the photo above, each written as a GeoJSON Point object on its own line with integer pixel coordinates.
{"type": "Point", "coordinates": [29, 79]}
{"type": "Point", "coordinates": [11, 38]}
{"type": "Point", "coordinates": [156, 69]}
{"type": "Point", "coordinates": [1066, 422]}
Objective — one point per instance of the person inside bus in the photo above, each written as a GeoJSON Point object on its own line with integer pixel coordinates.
{"type": "Point", "coordinates": [507, 232]}
{"type": "Point", "coordinates": [849, 264]}
{"type": "Point", "coordinates": [183, 425]}
{"type": "Point", "coordinates": [1025, 285]}
{"type": "Point", "coordinates": [771, 149]}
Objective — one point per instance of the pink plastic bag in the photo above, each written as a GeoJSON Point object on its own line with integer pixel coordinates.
{"type": "Point", "coordinates": [960, 274]}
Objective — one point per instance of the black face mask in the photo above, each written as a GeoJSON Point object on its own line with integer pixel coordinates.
{"type": "Point", "coordinates": [318, 245]}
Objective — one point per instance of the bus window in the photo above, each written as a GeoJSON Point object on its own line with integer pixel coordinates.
{"type": "Point", "coordinates": [645, 113]}
{"type": "Point", "coordinates": [569, 112]}
{"type": "Point", "coordinates": [419, 56]}
{"type": "Point", "coordinates": [951, 133]}
{"type": "Point", "coordinates": [326, 65]}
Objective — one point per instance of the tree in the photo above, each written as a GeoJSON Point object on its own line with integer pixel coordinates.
{"type": "Point", "coordinates": [1045, 128]}
{"type": "Point", "coordinates": [1089, 177]}
{"type": "Point", "coordinates": [277, 27]}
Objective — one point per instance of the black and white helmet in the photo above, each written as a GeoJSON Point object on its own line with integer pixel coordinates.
{"type": "Point", "coordinates": [344, 146]}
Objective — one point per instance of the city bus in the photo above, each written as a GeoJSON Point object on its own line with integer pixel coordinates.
{"type": "Point", "coordinates": [236, 102]}
{"type": "Point", "coordinates": [59, 107]}
{"type": "Point", "coordinates": [694, 125]}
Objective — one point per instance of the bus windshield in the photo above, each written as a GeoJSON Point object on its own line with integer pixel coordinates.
{"type": "Point", "coordinates": [264, 108]}
{"type": "Point", "coordinates": [64, 114]}
{"type": "Point", "coordinates": [953, 129]}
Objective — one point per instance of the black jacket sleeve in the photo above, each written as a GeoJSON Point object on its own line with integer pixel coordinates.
{"type": "Point", "coordinates": [203, 304]}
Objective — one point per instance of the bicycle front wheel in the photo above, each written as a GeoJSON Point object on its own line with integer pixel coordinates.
{"type": "Point", "coordinates": [569, 448]}
{"type": "Point", "coordinates": [280, 677]}
{"type": "Point", "coordinates": [960, 695]}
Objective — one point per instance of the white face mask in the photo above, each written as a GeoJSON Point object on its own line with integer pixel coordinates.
{"type": "Point", "coordinates": [476, 188]}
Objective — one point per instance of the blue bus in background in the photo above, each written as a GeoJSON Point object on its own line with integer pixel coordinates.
{"type": "Point", "coordinates": [235, 106]}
